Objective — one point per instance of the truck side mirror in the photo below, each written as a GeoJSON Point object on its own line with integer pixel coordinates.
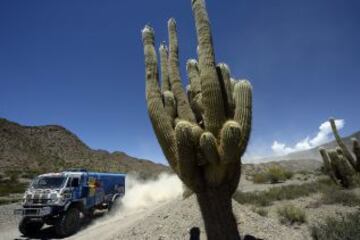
{"type": "Point", "coordinates": [75, 182]}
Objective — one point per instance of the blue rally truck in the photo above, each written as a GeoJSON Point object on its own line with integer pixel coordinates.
{"type": "Point", "coordinates": [62, 199]}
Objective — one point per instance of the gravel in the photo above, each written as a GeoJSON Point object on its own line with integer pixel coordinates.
{"type": "Point", "coordinates": [175, 219]}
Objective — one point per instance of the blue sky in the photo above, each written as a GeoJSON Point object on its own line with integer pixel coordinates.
{"type": "Point", "coordinates": [80, 64]}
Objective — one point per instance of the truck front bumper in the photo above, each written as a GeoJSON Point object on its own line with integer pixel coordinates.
{"type": "Point", "coordinates": [33, 212]}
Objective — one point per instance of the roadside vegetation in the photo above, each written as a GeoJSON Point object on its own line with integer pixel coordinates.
{"type": "Point", "coordinates": [289, 214]}
{"type": "Point", "coordinates": [289, 192]}
{"type": "Point", "coordinates": [274, 174]}
{"type": "Point", "coordinates": [340, 196]}
{"type": "Point", "coordinates": [338, 228]}
{"type": "Point", "coordinates": [10, 184]}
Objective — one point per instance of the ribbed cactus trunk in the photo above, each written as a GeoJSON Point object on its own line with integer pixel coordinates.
{"type": "Point", "coordinates": [219, 220]}
{"type": "Point", "coordinates": [203, 131]}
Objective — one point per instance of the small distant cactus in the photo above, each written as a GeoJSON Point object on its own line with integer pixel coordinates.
{"type": "Point", "coordinates": [337, 167]}
{"type": "Point", "coordinates": [339, 163]}
{"type": "Point", "coordinates": [203, 131]}
{"type": "Point", "coordinates": [354, 161]}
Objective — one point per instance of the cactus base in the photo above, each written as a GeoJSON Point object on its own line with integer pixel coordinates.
{"type": "Point", "coordinates": [216, 210]}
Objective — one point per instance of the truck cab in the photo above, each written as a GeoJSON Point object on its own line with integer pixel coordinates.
{"type": "Point", "coordinates": [61, 199]}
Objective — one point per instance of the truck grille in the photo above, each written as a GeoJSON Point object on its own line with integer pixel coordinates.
{"type": "Point", "coordinates": [40, 201]}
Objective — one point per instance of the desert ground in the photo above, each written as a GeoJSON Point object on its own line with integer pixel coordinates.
{"type": "Point", "coordinates": [156, 210]}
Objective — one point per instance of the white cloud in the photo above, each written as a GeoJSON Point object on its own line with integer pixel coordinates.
{"type": "Point", "coordinates": [324, 135]}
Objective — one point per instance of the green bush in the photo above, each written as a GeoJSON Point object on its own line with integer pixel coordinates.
{"type": "Point", "coordinates": [288, 174]}
{"type": "Point", "coordinates": [260, 178]}
{"type": "Point", "coordinates": [290, 214]}
{"type": "Point", "coordinates": [338, 228]}
{"type": "Point", "coordinates": [274, 174]}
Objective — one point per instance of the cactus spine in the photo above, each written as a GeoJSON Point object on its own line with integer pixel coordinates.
{"type": "Point", "coordinates": [203, 132]}
{"type": "Point", "coordinates": [339, 163]}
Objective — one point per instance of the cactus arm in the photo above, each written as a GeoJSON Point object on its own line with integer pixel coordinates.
{"type": "Point", "coordinates": [170, 105]}
{"type": "Point", "coordinates": [161, 122]}
{"type": "Point", "coordinates": [230, 138]}
{"type": "Point", "coordinates": [194, 78]}
{"type": "Point", "coordinates": [243, 112]}
{"type": "Point", "coordinates": [227, 91]}
{"type": "Point", "coordinates": [183, 106]}
{"type": "Point", "coordinates": [188, 169]}
{"type": "Point", "coordinates": [327, 164]}
{"type": "Point", "coordinates": [212, 100]}
{"type": "Point", "coordinates": [341, 144]}
{"type": "Point", "coordinates": [193, 75]}
{"type": "Point", "coordinates": [209, 147]}
{"type": "Point", "coordinates": [165, 84]}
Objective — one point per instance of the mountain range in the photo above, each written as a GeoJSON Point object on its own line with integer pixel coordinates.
{"type": "Point", "coordinates": [54, 148]}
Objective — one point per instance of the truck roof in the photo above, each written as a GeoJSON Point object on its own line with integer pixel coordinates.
{"type": "Point", "coordinates": [78, 173]}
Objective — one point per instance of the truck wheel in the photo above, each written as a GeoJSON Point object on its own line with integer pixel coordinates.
{"type": "Point", "coordinates": [68, 223]}
{"type": "Point", "coordinates": [114, 205]}
{"type": "Point", "coordinates": [28, 227]}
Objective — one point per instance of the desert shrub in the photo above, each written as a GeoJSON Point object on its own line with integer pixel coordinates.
{"type": "Point", "coordinates": [288, 174]}
{"type": "Point", "coordinates": [276, 174]}
{"type": "Point", "coordinates": [303, 172]}
{"type": "Point", "coordinates": [289, 214]}
{"type": "Point", "coordinates": [260, 178]}
{"type": "Point", "coordinates": [289, 192]}
{"type": "Point", "coordinates": [256, 198]}
{"type": "Point", "coordinates": [338, 228]}
{"type": "Point", "coordinates": [339, 196]}
{"type": "Point", "coordinates": [261, 211]}
{"type": "Point", "coordinates": [7, 187]}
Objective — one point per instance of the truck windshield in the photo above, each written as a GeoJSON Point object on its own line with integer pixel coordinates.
{"type": "Point", "coordinates": [48, 182]}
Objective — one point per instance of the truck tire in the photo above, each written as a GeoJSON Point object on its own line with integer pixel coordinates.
{"type": "Point", "coordinates": [113, 205]}
{"type": "Point", "coordinates": [68, 223]}
{"type": "Point", "coordinates": [28, 227]}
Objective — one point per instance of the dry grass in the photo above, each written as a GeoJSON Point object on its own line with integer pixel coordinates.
{"type": "Point", "coordinates": [265, 198]}
{"type": "Point", "coordinates": [289, 214]}
{"type": "Point", "coordinates": [338, 228]}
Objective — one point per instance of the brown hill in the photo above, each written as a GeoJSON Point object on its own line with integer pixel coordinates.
{"type": "Point", "coordinates": [53, 148]}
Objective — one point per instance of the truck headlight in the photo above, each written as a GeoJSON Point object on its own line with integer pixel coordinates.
{"type": "Point", "coordinates": [53, 196]}
{"type": "Point", "coordinates": [27, 197]}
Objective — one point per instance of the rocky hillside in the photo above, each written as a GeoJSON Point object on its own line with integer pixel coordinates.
{"type": "Point", "coordinates": [50, 148]}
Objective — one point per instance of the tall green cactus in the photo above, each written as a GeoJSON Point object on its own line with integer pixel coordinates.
{"type": "Point", "coordinates": [203, 132]}
{"type": "Point", "coordinates": [339, 163]}
{"type": "Point", "coordinates": [337, 167]}
{"type": "Point", "coordinates": [354, 161]}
